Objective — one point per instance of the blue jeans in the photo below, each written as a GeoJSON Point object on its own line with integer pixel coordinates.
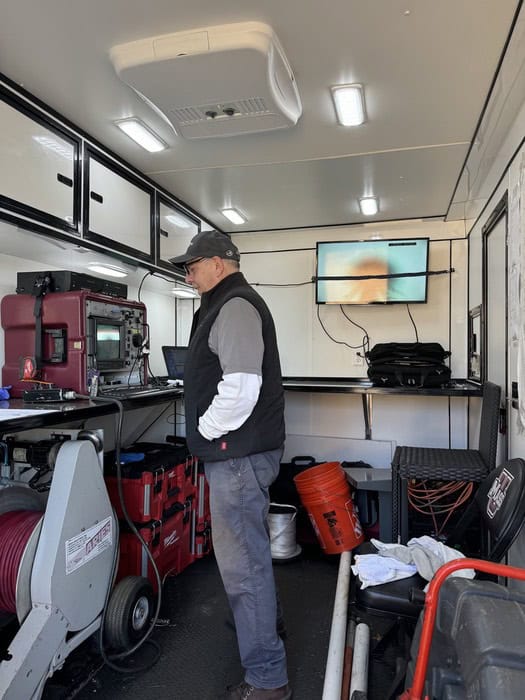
{"type": "Point", "coordinates": [239, 503]}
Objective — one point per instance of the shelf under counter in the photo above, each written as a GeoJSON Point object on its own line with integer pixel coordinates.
{"type": "Point", "coordinates": [455, 388]}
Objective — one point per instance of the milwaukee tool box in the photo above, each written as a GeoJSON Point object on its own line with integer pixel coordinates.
{"type": "Point", "coordinates": [154, 477]}
{"type": "Point", "coordinates": [170, 541]}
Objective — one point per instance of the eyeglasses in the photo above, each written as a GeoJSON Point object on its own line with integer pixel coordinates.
{"type": "Point", "coordinates": [188, 266]}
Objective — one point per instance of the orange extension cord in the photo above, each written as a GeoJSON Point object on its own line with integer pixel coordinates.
{"type": "Point", "coordinates": [438, 500]}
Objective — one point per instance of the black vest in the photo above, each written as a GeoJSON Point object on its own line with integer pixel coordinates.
{"type": "Point", "coordinates": [264, 429]}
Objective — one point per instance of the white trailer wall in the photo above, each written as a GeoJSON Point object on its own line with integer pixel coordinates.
{"type": "Point", "coordinates": [330, 426]}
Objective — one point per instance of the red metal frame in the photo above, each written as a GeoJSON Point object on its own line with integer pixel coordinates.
{"type": "Point", "coordinates": [430, 611]}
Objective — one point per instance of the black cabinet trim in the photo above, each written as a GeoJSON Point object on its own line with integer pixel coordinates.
{"type": "Point", "coordinates": [24, 209]}
{"type": "Point", "coordinates": [159, 232]}
{"type": "Point", "coordinates": [91, 153]}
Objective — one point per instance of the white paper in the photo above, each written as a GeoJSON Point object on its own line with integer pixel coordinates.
{"type": "Point", "coordinates": [13, 413]}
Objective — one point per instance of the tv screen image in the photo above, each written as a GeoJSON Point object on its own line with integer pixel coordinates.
{"type": "Point", "coordinates": [108, 341]}
{"type": "Point", "coordinates": [372, 272]}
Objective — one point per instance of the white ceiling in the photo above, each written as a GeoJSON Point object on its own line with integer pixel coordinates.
{"type": "Point", "coordinates": [427, 68]}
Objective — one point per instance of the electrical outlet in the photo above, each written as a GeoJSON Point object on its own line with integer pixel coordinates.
{"type": "Point", "coordinates": [359, 361]}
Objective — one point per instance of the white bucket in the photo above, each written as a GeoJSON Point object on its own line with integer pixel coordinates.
{"type": "Point", "coordinates": [281, 521]}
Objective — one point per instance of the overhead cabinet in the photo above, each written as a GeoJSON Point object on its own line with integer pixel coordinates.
{"type": "Point", "coordinates": [118, 208]}
{"type": "Point", "coordinates": [39, 175]}
{"type": "Point", "coordinates": [176, 229]}
{"type": "Point", "coordinates": [54, 180]}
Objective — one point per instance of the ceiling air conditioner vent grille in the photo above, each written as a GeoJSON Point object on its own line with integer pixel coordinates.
{"type": "Point", "coordinates": [252, 106]}
{"type": "Point", "coordinates": [187, 115]}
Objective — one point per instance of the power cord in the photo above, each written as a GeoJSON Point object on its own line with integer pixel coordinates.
{"type": "Point", "coordinates": [109, 659]}
{"type": "Point", "coordinates": [366, 337]}
{"type": "Point", "coordinates": [413, 323]}
{"type": "Point", "coordinates": [438, 499]}
{"type": "Point", "coordinates": [342, 342]}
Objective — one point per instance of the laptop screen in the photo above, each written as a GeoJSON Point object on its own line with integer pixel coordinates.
{"type": "Point", "coordinates": [174, 357]}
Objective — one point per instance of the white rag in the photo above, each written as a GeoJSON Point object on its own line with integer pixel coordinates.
{"type": "Point", "coordinates": [373, 569]}
{"type": "Point", "coordinates": [423, 555]}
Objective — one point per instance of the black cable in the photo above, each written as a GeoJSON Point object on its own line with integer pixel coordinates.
{"type": "Point", "coordinates": [166, 279]}
{"type": "Point", "coordinates": [385, 276]}
{"type": "Point", "coordinates": [413, 323]}
{"type": "Point", "coordinates": [153, 274]}
{"type": "Point", "coordinates": [288, 284]}
{"type": "Point", "coordinates": [147, 345]}
{"type": "Point", "coordinates": [145, 638]}
{"type": "Point", "coordinates": [339, 342]}
{"type": "Point", "coordinates": [148, 273]}
{"type": "Point", "coordinates": [168, 406]}
{"type": "Point", "coordinates": [140, 359]}
{"type": "Point", "coordinates": [366, 337]}
{"type": "Point", "coordinates": [131, 370]}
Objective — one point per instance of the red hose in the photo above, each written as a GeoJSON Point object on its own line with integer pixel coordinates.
{"type": "Point", "coordinates": [16, 528]}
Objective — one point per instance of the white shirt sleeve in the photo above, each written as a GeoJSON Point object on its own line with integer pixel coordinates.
{"type": "Point", "coordinates": [237, 394]}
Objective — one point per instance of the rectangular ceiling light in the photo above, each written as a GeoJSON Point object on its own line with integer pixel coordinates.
{"type": "Point", "coordinates": [234, 216]}
{"type": "Point", "coordinates": [369, 206]}
{"type": "Point", "coordinates": [141, 134]}
{"type": "Point", "coordinates": [349, 104]}
{"type": "Point", "coordinates": [184, 293]}
{"type": "Point", "coordinates": [106, 269]}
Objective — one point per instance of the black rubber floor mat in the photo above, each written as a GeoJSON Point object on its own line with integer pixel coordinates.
{"type": "Point", "coordinates": [199, 649]}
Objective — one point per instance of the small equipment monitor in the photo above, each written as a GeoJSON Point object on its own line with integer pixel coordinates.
{"type": "Point", "coordinates": [107, 342]}
{"type": "Point", "coordinates": [372, 272]}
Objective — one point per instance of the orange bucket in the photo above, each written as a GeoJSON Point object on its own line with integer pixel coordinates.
{"type": "Point", "coordinates": [325, 493]}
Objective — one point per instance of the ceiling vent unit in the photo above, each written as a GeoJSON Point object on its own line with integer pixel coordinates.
{"type": "Point", "coordinates": [216, 81]}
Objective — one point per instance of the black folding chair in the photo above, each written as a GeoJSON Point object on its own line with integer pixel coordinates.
{"type": "Point", "coordinates": [498, 505]}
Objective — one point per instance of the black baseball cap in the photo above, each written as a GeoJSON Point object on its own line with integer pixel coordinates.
{"type": "Point", "coordinates": [208, 244]}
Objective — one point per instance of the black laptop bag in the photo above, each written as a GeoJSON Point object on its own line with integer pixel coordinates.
{"type": "Point", "coordinates": [412, 365]}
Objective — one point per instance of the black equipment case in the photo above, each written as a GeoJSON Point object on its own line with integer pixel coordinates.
{"type": "Point", "coordinates": [413, 365]}
{"type": "Point", "coordinates": [477, 643]}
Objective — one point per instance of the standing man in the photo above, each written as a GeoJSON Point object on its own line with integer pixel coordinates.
{"type": "Point", "coordinates": [235, 423]}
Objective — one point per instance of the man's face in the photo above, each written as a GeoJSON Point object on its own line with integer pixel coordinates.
{"type": "Point", "coordinates": [203, 274]}
{"type": "Point", "coordinates": [368, 290]}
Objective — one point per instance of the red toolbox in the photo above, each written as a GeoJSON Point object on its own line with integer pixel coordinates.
{"type": "Point", "coordinates": [154, 477]}
{"type": "Point", "coordinates": [203, 543]}
{"type": "Point", "coordinates": [202, 539]}
{"type": "Point", "coordinates": [165, 540]}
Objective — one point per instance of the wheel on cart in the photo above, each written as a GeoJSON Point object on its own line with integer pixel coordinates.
{"type": "Point", "coordinates": [129, 611]}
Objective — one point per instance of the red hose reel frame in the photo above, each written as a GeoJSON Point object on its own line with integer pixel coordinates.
{"type": "Point", "coordinates": [430, 611]}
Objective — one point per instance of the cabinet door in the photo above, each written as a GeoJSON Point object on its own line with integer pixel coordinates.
{"type": "Point", "coordinates": [176, 229]}
{"type": "Point", "coordinates": [119, 209]}
{"type": "Point", "coordinates": [38, 173]}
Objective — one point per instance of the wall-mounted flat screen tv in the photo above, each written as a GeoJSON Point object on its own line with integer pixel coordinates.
{"type": "Point", "coordinates": [372, 272]}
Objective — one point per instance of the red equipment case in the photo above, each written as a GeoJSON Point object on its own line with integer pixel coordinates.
{"type": "Point", "coordinates": [165, 541]}
{"type": "Point", "coordinates": [203, 544]}
{"type": "Point", "coordinates": [167, 497]}
{"type": "Point", "coordinates": [64, 313]}
{"type": "Point", "coordinates": [151, 483]}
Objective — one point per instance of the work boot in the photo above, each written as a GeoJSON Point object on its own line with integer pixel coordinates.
{"type": "Point", "coordinates": [245, 691]}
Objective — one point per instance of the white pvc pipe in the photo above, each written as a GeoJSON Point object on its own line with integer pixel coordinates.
{"type": "Point", "coordinates": [359, 680]}
{"type": "Point", "coordinates": [336, 649]}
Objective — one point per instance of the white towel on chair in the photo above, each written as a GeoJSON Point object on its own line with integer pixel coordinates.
{"type": "Point", "coordinates": [374, 569]}
{"type": "Point", "coordinates": [425, 553]}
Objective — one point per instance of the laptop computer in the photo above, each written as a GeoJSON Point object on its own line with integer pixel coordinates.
{"type": "Point", "coordinates": [175, 357]}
